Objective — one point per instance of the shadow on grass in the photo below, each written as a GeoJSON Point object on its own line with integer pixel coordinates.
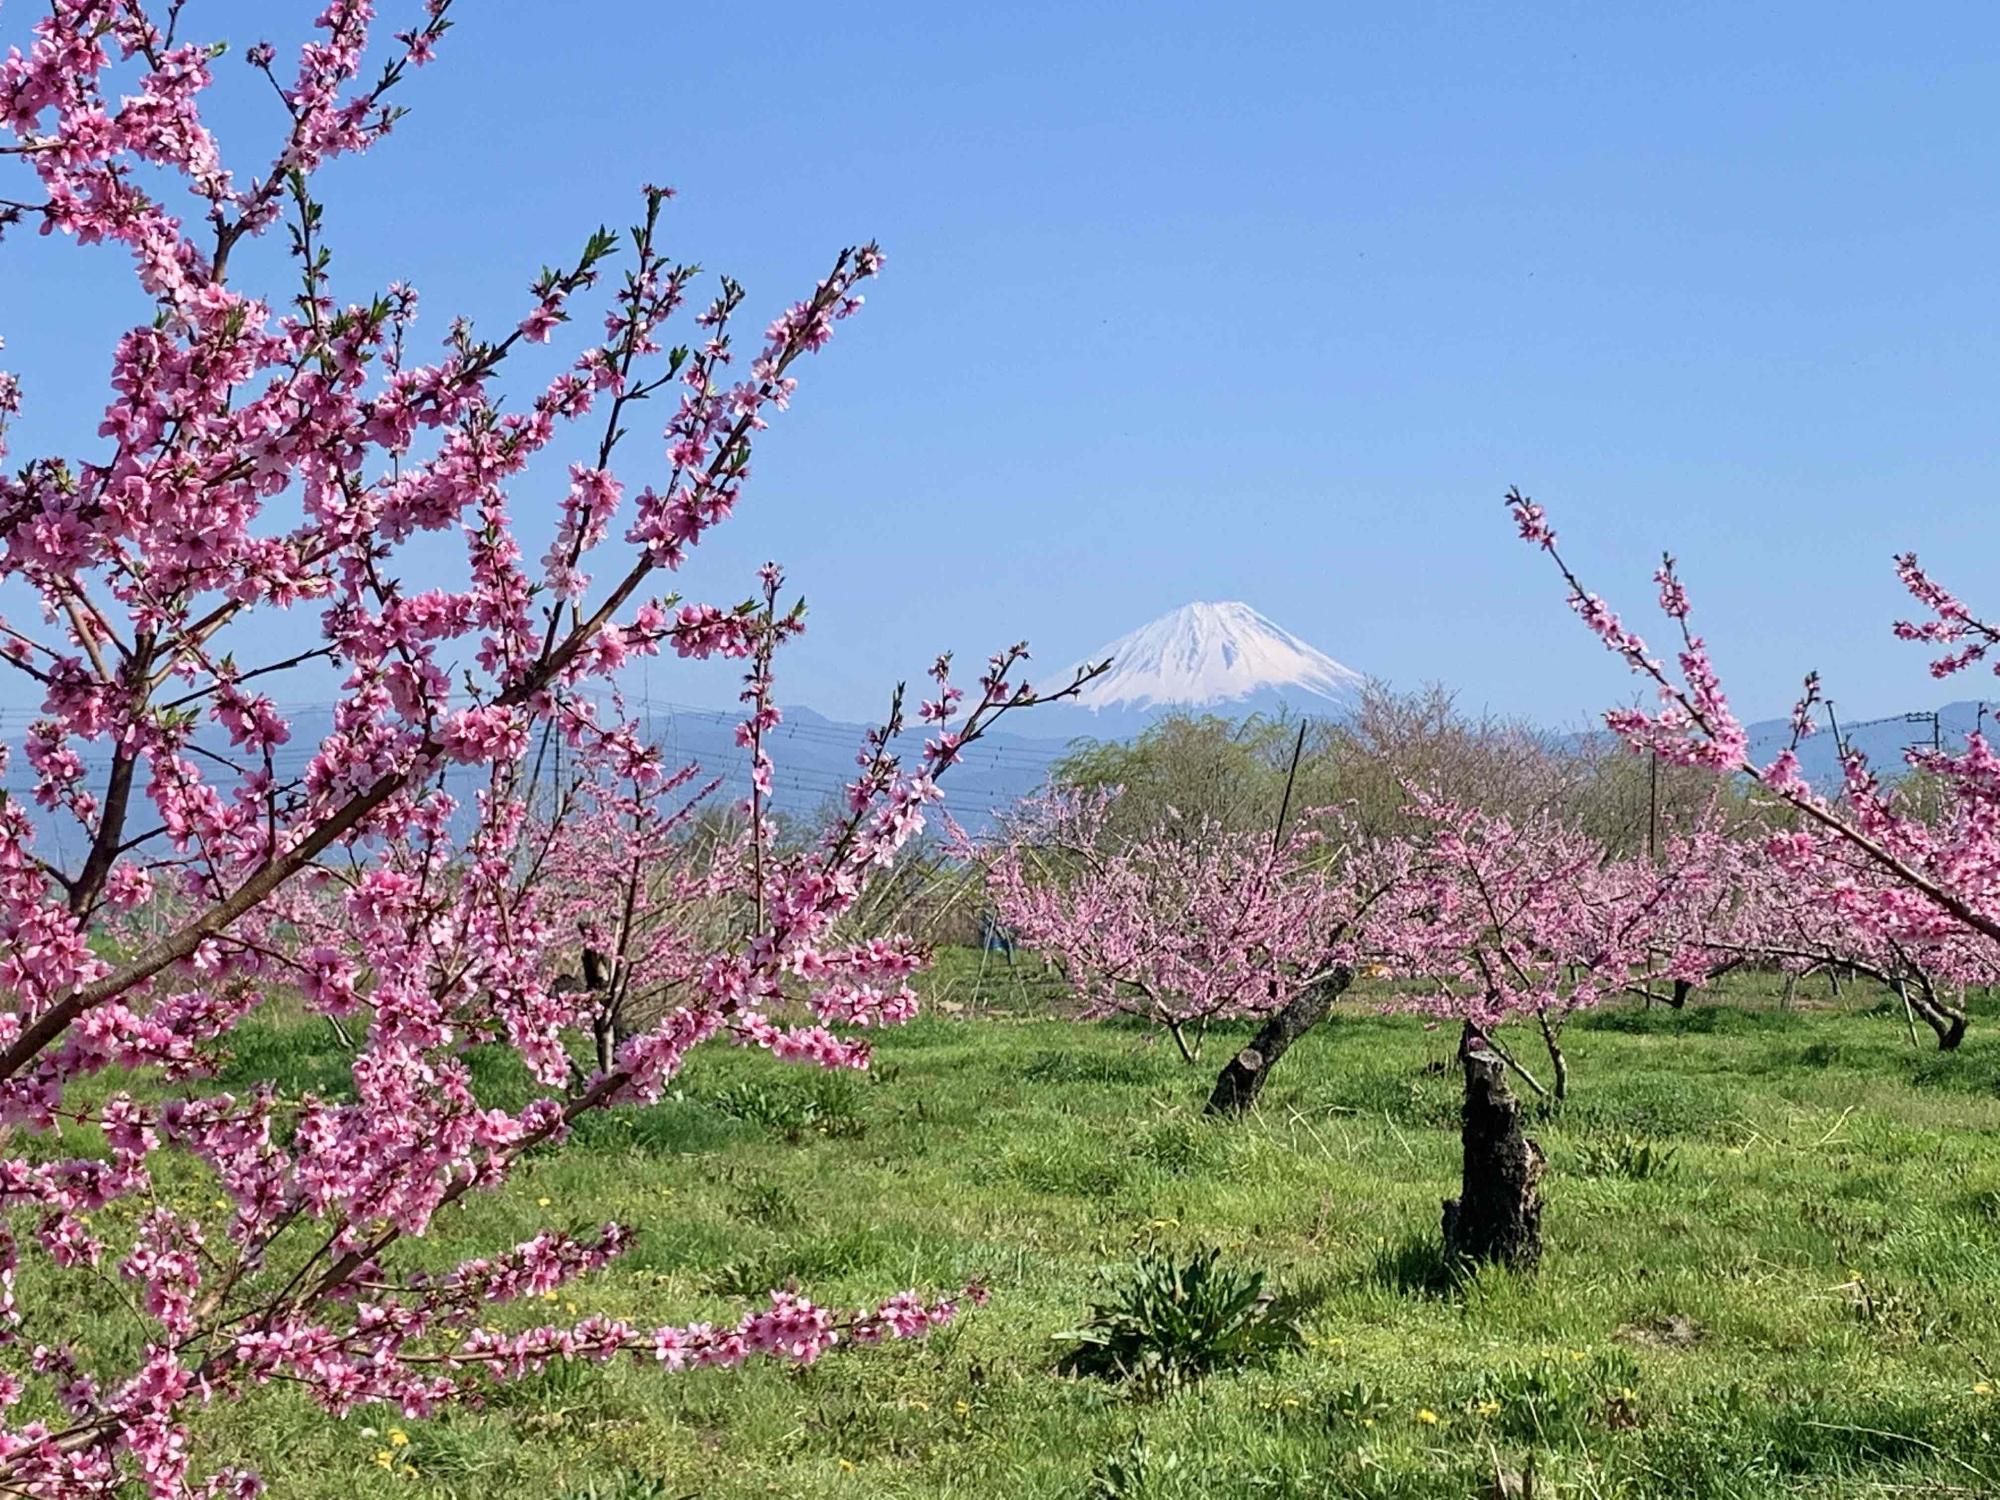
{"type": "Point", "coordinates": [1644, 1105]}
{"type": "Point", "coordinates": [1699, 1017]}
{"type": "Point", "coordinates": [1971, 1069]}
{"type": "Point", "coordinates": [1417, 1265]}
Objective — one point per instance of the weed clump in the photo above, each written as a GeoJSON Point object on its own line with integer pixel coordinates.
{"type": "Point", "coordinates": [1167, 1322]}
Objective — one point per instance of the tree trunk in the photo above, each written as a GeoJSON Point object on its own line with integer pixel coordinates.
{"type": "Point", "coordinates": [604, 1034]}
{"type": "Point", "coordinates": [1947, 1022]}
{"type": "Point", "coordinates": [1243, 1077]}
{"type": "Point", "coordinates": [1497, 1217]}
{"type": "Point", "coordinates": [597, 976]}
{"type": "Point", "coordinates": [1558, 1064]}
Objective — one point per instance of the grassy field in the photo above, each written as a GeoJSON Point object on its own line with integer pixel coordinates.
{"type": "Point", "coordinates": [1802, 1298]}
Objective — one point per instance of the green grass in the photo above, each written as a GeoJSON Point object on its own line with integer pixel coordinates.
{"type": "Point", "coordinates": [1803, 1300]}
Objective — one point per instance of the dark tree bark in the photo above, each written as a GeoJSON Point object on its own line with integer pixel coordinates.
{"type": "Point", "coordinates": [605, 1038]}
{"type": "Point", "coordinates": [1243, 1077]}
{"type": "Point", "coordinates": [1923, 1000]}
{"type": "Point", "coordinates": [1497, 1217]}
{"type": "Point", "coordinates": [1684, 988]}
{"type": "Point", "coordinates": [605, 1031]}
{"type": "Point", "coordinates": [1558, 1064]}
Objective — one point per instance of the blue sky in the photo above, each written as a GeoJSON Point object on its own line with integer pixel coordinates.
{"type": "Point", "coordinates": [1267, 302]}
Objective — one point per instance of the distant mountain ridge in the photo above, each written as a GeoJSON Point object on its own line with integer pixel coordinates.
{"type": "Point", "coordinates": [1221, 658]}
{"type": "Point", "coordinates": [1884, 740]}
{"type": "Point", "coordinates": [1224, 658]}
{"type": "Point", "coordinates": [813, 761]}
{"type": "Point", "coordinates": [1206, 657]}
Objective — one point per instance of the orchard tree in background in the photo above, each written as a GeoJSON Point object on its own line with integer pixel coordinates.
{"type": "Point", "coordinates": [1752, 910]}
{"type": "Point", "coordinates": [268, 455]}
{"type": "Point", "coordinates": [1527, 921]}
{"type": "Point", "coordinates": [1189, 922]}
{"type": "Point", "coordinates": [1896, 875]}
{"type": "Point", "coordinates": [618, 874]}
{"type": "Point", "coordinates": [1506, 920]}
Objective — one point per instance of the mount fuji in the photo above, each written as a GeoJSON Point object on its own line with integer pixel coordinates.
{"type": "Point", "coordinates": [1221, 658]}
{"type": "Point", "coordinates": [1224, 659]}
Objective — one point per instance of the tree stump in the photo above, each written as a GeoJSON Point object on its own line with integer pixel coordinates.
{"type": "Point", "coordinates": [1243, 1076]}
{"type": "Point", "coordinates": [1497, 1216]}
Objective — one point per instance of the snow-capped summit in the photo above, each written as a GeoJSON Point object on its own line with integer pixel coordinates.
{"type": "Point", "coordinates": [1215, 656]}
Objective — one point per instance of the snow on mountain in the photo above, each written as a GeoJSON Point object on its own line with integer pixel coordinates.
{"type": "Point", "coordinates": [1220, 658]}
{"type": "Point", "coordinates": [1211, 655]}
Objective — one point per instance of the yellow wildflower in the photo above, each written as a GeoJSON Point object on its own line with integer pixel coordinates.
{"type": "Point", "coordinates": [1428, 1417]}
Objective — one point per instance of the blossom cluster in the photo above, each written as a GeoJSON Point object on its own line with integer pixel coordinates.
{"type": "Point", "coordinates": [1186, 922]}
{"type": "Point", "coordinates": [1912, 881]}
{"type": "Point", "coordinates": [273, 468]}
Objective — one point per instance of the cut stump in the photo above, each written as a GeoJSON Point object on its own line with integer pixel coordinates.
{"type": "Point", "coordinates": [1242, 1078]}
{"type": "Point", "coordinates": [1497, 1217]}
